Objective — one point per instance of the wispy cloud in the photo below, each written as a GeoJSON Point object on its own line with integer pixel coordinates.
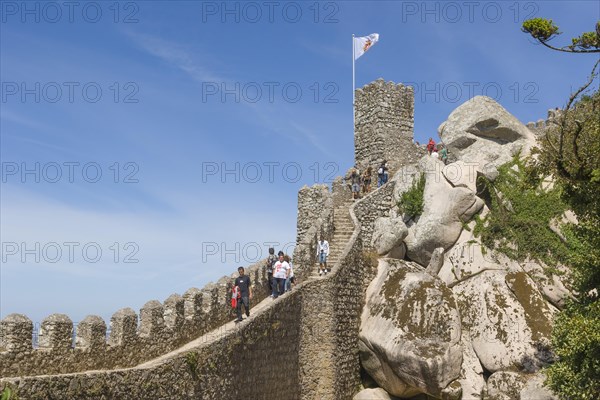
{"type": "Point", "coordinates": [175, 54]}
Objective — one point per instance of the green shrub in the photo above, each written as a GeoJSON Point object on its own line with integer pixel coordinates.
{"type": "Point", "coordinates": [8, 394]}
{"type": "Point", "coordinates": [576, 342]}
{"type": "Point", "coordinates": [518, 224]}
{"type": "Point", "coordinates": [412, 202]}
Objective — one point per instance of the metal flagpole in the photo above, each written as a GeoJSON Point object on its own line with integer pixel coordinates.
{"type": "Point", "coordinates": [353, 88]}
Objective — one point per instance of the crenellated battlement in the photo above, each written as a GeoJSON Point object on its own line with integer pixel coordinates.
{"type": "Point", "coordinates": [540, 126]}
{"type": "Point", "coordinates": [133, 339]}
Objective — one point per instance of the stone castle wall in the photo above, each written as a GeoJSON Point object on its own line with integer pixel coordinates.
{"type": "Point", "coordinates": [384, 126]}
{"type": "Point", "coordinates": [377, 205]}
{"type": "Point", "coordinates": [316, 206]}
{"type": "Point", "coordinates": [257, 360]}
{"type": "Point", "coordinates": [159, 329]}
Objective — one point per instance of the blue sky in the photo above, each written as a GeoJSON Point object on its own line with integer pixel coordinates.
{"type": "Point", "coordinates": [127, 114]}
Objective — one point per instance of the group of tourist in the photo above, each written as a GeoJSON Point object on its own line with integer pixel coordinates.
{"type": "Point", "coordinates": [280, 276]}
{"type": "Point", "coordinates": [280, 273]}
{"type": "Point", "coordinates": [362, 181]}
{"type": "Point", "coordinates": [437, 150]}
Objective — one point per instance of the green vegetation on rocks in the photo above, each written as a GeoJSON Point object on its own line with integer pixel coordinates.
{"type": "Point", "coordinates": [8, 394]}
{"type": "Point", "coordinates": [569, 152]}
{"type": "Point", "coordinates": [412, 202]}
{"type": "Point", "coordinates": [521, 211]}
{"type": "Point", "coordinates": [576, 343]}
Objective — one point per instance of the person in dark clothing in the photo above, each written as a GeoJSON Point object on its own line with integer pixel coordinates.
{"type": "Point", "coordinates": [271, 260]}
{"type": "Point", "coordinates": [245, 289]}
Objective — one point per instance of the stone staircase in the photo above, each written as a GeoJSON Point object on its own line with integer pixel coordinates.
{"type": "Point", "coordinates": [342, 233]}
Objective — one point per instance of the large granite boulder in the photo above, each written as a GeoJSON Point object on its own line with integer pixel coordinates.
{"type": "Point", "coordinates": [508, 320]}
{"type": "Point", "coordinates": [373, 394]}
{"type": "Point", "coordinates": [481, 132]}
{"type": "Point", "coordinates": [445, 211]}
{"type": "Point", "coordinates": [388, 234]}
{"type": "Point", "coordinates": [471, 373]}
{"type": "Point", "coordinates": [468, 258]}
{"type": "Point", "coordinates": [461, 174]}
{"type": "Point", "coordinates": [409, 339]}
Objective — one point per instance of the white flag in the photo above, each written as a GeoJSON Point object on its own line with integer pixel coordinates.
{"type": "Point", "coordinates": [364, 43]}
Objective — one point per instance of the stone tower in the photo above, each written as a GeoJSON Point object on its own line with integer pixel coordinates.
{"type": "Point", "coordinates": [384, 126]}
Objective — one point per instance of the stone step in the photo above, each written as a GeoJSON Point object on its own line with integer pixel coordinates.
{"type": "Point", "coordinates": [341, 238]}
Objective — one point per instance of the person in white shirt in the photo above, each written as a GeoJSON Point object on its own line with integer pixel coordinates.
{"type": "Point", "coordinates": [281, 271]}
{"type": "Point", "coordinates": [322, 253]}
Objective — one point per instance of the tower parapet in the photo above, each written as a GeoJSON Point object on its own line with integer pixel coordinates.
{"type": "Point", "coordinates": [384, 126]}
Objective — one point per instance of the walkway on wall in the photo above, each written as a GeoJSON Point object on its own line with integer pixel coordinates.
{"type": "Point", "coordinates": [343, 229]}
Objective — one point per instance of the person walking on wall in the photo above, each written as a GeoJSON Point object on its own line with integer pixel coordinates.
{"type": "Point", "coordinates": [271, 260]}
{"type": "Point", "coordinates": [245, 292]}
{"type": "Point", "coordinates": [382, 174]}
{"type": "Point", "coordinates": [444, 154]}
{"type": "Point", "coordinates": [323, 253]}
{"type": "Point", "coordinates": [353, 176]}
{"type": "Point", "coordinates": [281, 271]}
{"type": "Point", "coordinates": [366, 179]}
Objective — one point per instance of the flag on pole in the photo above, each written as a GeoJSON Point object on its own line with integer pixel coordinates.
{"type": "Point", "coordinates": [364, 43]}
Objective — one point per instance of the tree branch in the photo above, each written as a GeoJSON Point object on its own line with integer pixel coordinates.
{"type": "Point", "coordinates": [560, 159]}
{"type": "Point", "coordinates": [567, 49]}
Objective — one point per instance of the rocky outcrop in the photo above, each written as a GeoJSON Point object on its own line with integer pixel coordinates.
{"type": "Point", "coordinates": [460, 321]}
{"type": "Point", "coordinates": [471, 372]}
{"type": "Point", "coordinates": [508, 385]}
{"type": "Point", "coordinates": [373, 394]}
{"type": "Point", "coordinates": [446, 209]}
{"type": "Point", "coordinates": [388, 234]}
{"type": "Point", "coordinates": [468, 258]}
{"type": "Point", "coordinates": [481, 133]}
{"type": "Point", "coordinates": [410, 331]}
{"type": "Point", "coordinates": [508, 320]}
{"type": "Point", "coordinates": [436, 262]}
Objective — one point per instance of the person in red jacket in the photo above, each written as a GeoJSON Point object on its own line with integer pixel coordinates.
{"type": "Point", "coordinates": [430, 146]}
